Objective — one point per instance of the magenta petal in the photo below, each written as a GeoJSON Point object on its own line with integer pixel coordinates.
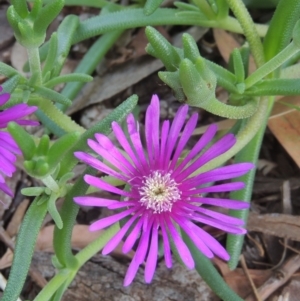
{"type": "Point", "coordinates": [218, 216]}
{"type": "Point", "coordinates": [144, 243]}
{"type": "Point", "coordinates": [220, 188]}
{"type": "Point", "coordinates": [96, 182]}
{"type": "Point", "coordinates": [108, 221]}
{"type": "Point", "coordinates": [131, 272]}
{"type": "Point", "coordinates": [218, 174]}
{"type": "Point", "coordinates": [225, 203]}
{"type": "Point", "coordinates": [93, 201]}
{"type": "Point", "coordinates": [219, 225]}
{"type": "Point", "coordinates": [4, 97]}
{"type": "Point", "coordinates": [211, 242]}
{"type": "Point", "coordinates": [114, 152]}
{"type": "Point", "coordinates": [113, 243]}
{"type": "Point", "coordinates": [175, 129]}
{"type": "Point", "coordinates": [185, 136]}
{"type": "Point", "coordinates": [166, 243]}
{"type": "Point", "coordinates": [125, 144]}
{"type": "Point", "coordinates": [95, 163]}
{"type": "Point", "coordinates": [132, 237]}
{"type": "Point", "coordinates": [183, 250]}
{"type": "Point", "coordinates": [164, 137]}
{"type": "Point", "coordinates": [197, 240]}
{"type": "Point", "coordinates": [152, 256]}
{"type": "Point", "coordinates": [200, 145]}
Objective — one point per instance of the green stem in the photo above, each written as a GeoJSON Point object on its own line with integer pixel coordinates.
{"type": "Point", "coordinates": [52, 286]}
{"type": "Point", "coordinates": [35, 66]}
{"type": "Point", "coordinates": [132, 18]}
{"type": "Point", "coordinates": [244, 136]}
{"type": "Point", "coordinates": [62, 237]}
{"type": "Point", "coordinates": [209, 273]}
{"type": "Point", "coordinates": [248, 154]}
{"type": "Point", "coordinates": [271, 65]}
{"type": "Point", "coordinates": [59, 281]}
{"type": "Point", "coordinates": [63, 121]}
{"type": "Point", "coordinates": [240, 11]}
{"type": "Point", "coordinates": [93, 248]}
{"type": "Point", "coordinates": [24, 250]}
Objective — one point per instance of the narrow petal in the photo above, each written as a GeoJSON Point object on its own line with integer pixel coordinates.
{"type": "Point", "coordinates": [164, 138]}
{"type": "Point", "coordinates": [152, 129]}
{"type": "Point", "coordinates": [8, 142]}
{"type": "Point", "coordinates": [125, 144]}
{"type": "Point", "coordinates": [93, 201]}
{"type": "Point", "coordinates": [219, 188]}
{"type": "Point", "coordinates": [152, 256]}
{"type": "Point", "coordinates": [166, 243]}
{"type": "Point", "coordinates": [114, 151]}
{"type": "Point", "coordinates": [97, 148]}
{"type": "Point", "coordinates": [218, 224]}
{"type": "Point", "coordinates": [14, 113]}
{"type": "Point", "coordinates": [119, 205]}
{"type": "Point", "coordinates": [197, 240]}
{"type": "Point", "coordinates": [218, 216]}
{"type": "Point", "coordinates": [4, 97]}
{"type": "Point", "coordinates": [108, 221]}
{"type": "Point", "coordinates": [135, 138]}
{"type": "Point", "coordinates": [144, 242]}
{"type": "Point", "coordinates": [113, 243]}
{"type": "Point", "coordinates": [95, 163]}
{"type": "Point", "coordinates": [175, 129]}
{"type": "Point", "coordinates": [183, 250]}
{"type": "Point", "coordinates": [225, 203]}
{"type": "Point", "coordinates": [97, 182]}
{"type": "Point", "coordinates": [220, 147]}
{"type": "Point", "coordinates": [132, 237]}
{"type": "Point", "coordinates": [200, 145]}
{"type": "Point", "coordinates": [218, 174]}
{"type": "Point", "coordinates": [211, 242]}
{"type": "Point", "coordinates": [131, 272]}
{"type": "Point", "coordinates": [185, 136]}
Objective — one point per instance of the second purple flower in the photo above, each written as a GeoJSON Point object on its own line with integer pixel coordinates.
{"type": "Point", "coordinates": [163, 194]}
{"type": "Point", "coordinates": [8, 147]}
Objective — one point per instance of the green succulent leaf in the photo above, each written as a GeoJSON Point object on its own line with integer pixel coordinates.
{"type": "Point", "coordinates": [163, 49]}
{"type": "Point", "coordinates": [20, 7]}
{"type": "Point", "coordinates": [46, 15]}
{"type": "Point", "coordinates": [275, 87]}
{"type": "Point", "coordinates": [151, 6]}
{"type": "Point", "coordinates": [23, 139]}
{"type": "Point", "coordinates": [54, 212]}
{"type": "Point", "coordinates": [43, 146]}
{"type": "Point", "coordinates": [60, 147]}
{"type": "Point", "coordinates": [67, 78]}
{"type": "Point", "coordinates": [52, 95]}
{"type": "Point", "coordinates": [190, 48]}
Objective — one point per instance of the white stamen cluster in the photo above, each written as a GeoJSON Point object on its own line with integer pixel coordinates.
{"type": "Point", "coordinates": [159, 192]}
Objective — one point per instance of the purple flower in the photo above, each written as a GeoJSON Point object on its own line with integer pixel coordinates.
{"type": "Point", "coordinates": [163, 194]}
{"type": "Point", "coordinates": [8, 147]}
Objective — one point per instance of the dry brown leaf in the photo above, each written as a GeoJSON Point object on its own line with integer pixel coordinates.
{"type": "Point", "coordinates": [280, 225]}
{"type": "Point", "coordinates": [6, 259]}
{"type": "Point", "coordinates": [14, 224]}
{"type": "Point", "coordinates": [238, 281]}
{"type": "Point", "coordinates": [81, 238]}
{"type": "Point", "coordinates": [226, 43]}
{"type": "Point", "coordinates": [285, 126]}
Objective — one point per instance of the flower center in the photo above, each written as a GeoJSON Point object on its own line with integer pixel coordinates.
{"type": "Point", "coordinates": [159, 192]}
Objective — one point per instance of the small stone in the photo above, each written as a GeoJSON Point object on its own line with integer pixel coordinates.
{"type": "Point", "coordinates": [6, 32]}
